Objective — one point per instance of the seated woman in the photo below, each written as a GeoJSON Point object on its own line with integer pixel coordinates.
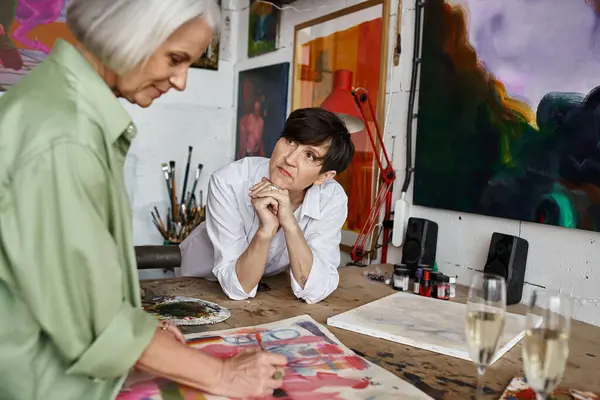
{"type": "Point", "coordinates": [265, 216]}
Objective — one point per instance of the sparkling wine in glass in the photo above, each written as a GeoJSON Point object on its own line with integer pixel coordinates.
{"type": "Point", "coordinates": [486, 308]}
{"type": "Point", "coordinates": [546, 343]}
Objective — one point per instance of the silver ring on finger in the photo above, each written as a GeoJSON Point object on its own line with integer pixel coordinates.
{"type": "Point", "coordinates": [164, 326]}
{"type": "Point", "coordinates": [274, 188]}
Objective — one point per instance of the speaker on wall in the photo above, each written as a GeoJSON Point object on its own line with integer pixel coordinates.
{"type": "Point", "coordinates": [507, 257]}
{"type": "Point", "coordinates": [420, 243]}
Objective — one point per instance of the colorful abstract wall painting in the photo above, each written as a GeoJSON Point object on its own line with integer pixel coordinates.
{"type": "Point", "coordinates": [352, 41]}
{"type": "Point", "coordinates": [319, 367]}
{"type": "Point", "coordinates": [509, 110]}
{"type": "Point", "coordinates": [28, 30]}
{"type": "Point", "coordinates": [263, 28]}
{"type": "Point", "coordinates": [210, 58]}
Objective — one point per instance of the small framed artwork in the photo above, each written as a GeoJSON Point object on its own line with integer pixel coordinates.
{"type": "Point", "coordinates": [262, 109]}
{"type": "Point", "coordinates": [263, 28]}
{"type": "Point", "coordinates": [28, 31]}
{"type": "Point", "coordinates": [353, 39]}
{"type": "Point", "coordinates": [210, 58]}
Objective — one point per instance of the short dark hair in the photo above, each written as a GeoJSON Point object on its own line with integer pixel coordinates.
{"type": "Point", "coordinates": [315, 126]}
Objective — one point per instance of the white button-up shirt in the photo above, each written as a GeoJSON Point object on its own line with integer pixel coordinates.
{"type": "Point", "coordinates": [213, 248]}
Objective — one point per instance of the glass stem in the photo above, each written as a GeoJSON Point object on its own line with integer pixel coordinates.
{"type": "Point", "coordinates": [541, 396]}
{"type": "Point", "coordinates": [480, 373]}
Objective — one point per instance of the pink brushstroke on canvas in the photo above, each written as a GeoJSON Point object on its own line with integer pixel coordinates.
{"type": "Point", "coordinates": [319, 367]}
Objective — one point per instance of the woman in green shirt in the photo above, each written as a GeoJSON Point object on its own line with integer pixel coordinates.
{"type": "Point", "coordinates": [71, 323]}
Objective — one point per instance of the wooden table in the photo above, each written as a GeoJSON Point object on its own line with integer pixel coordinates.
{"type": "Point", "coordinates": [440, 376]}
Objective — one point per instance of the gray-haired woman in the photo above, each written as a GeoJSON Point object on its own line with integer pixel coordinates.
{"type": "Point", "coordinates": [71, 323]}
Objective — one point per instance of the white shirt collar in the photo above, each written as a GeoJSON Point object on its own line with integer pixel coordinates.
{"type": "Point", "coordinates": [310, 205]}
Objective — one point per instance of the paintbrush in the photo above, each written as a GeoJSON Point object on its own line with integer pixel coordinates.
{"type": "Point", "coordinates": [186, 175]}
{"type": "Point", "coordinates": [259, 340]}
{"type": "Point", "coordinates": [173, 191]}
{"type": "Point", "coordinates": [184, 222]}
{"type": "Point", "coordinates": [160, 221]}
{"type": "Point", "coordinates": [198, 171]}
{"type": "Point", "coordinates": [160, 229]}
{"type": "Point", "coordinates": [165, 168]}
{"type": "Point", "coordinates": [277, 375]}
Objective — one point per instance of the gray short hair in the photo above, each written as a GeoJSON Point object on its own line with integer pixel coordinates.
{"type": "Point", "coordinates": [124, 33]}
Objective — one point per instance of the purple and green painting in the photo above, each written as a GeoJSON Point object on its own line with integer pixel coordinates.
{"type": "Point", "coordinates": [509, 110]}
{"type": "Point", "coordinates": [28, 31]}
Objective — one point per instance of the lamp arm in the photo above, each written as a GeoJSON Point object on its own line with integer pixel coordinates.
{"type": "Point", "coordinates": [387, 174]}
{"type": "Point", "coordinates": [361, 96]}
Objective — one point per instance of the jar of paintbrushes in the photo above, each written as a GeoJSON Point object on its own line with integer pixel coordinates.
{"type": "Point", "coordinates": [185, 212]}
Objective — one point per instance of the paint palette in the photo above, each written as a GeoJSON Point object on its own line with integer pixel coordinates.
{"type": "Point", "coordinates": [187, 310]}
{"type": "Point", "coordinates": [518, 389]}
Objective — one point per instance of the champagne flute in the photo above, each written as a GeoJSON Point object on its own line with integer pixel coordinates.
{"type": "Point", "coordinates": [486, 307]}
{"type": "Point", "coordinates": [546, 344]}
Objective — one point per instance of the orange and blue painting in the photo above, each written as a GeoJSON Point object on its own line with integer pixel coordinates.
{"type": "Point", "coordinates": [319, 366]}
{"type": "Point", "coordinates": [357, 49]}
{"type": "Point", "coordinates": [28, 30]}
{"type": "Point", "coordinates": [509, 110]}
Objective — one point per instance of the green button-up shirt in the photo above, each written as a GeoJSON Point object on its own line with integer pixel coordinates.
{"type": "Point", "coordinates": [71, 325]}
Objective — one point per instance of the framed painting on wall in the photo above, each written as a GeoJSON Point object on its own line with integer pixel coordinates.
{"type": "Point", "coordinates": [506, 127]}
{"type": "Point", "coordinates": [263, 28]}
{"type": "Point", "coordinates": [261, 110]}
{"type": "Point", "coordinates": [28, 31]}
{"type": "Point", "coordinates": [353, 39]}
{"type": "Point", "coordinates": [210, 58]}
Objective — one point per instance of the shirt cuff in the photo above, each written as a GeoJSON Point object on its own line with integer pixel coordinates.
{"type": "Point", "coordinates": [118, 348]}
{"type": "Point", "coordinates": [322, 281]}
{"type": "Point", "coordinates": [231, 285]}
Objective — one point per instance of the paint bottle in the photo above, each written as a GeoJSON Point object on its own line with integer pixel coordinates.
{"type": "Point", "coordinates": [419, 272]}
{"type": "Point", "coordinates": [433, 275]}
{"type": "Point", "coordinates": [425, 286]}
{"type": "Point", "coordinates": [401, 278]}
{"type": "Point", "coordinates": [452, 283]}
{"type": "Point", "coordinates": [417, 282]}
{"type": "Point", "coordinates": [443, 287]}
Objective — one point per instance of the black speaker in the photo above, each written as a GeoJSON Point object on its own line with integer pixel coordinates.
{"type": "Point", "coordinates": [420, 243]}
{"type": "Point", "coordinates": [507, 257]}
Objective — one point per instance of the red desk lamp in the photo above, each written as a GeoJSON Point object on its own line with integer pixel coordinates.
{"type": "Point", "coordinates": [347, 103]}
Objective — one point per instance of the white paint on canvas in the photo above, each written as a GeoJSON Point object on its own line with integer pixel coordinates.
{"type": "Point", "coordinates": [423, 322]}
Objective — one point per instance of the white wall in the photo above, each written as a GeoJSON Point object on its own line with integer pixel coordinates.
{"type": "Point", "coordinates": [559, 259]}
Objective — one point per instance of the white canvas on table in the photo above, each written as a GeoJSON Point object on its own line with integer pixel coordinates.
{"type": "Point", "coordinates": [423, 322]}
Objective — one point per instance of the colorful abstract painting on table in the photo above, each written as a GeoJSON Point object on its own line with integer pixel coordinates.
{"type": "Point", "coordinates": [263, 28]}
{"type": "Point", "coordinates": [354, 45]}
{"type": "Point", "coordinates": [28, 31]}
{"type": "Point", "coordinates": [508, 118]}
{"type": "Point", "coordinates": [262, 109]}
{"type": "Point", "coordinates": [210, 58]}
{"type": "Point", "coordinates": [319, 366]}
{"type": "Point", "coordinates": [518, 389]}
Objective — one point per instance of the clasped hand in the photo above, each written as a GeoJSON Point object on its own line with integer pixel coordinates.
{"type": "Point", "coordinates": [273, 207]}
